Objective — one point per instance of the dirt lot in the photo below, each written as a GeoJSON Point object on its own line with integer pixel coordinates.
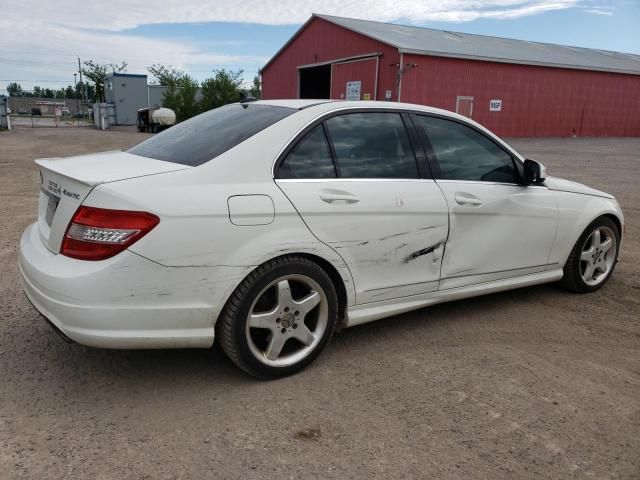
{"type": "Point", "coordinates": [535, 383]}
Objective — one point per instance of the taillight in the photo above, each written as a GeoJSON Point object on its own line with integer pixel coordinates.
{"type": "Point", "coordinates": [99, 233]}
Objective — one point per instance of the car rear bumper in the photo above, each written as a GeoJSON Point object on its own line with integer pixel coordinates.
{"type": "Point", "coordinates": [126, 301]}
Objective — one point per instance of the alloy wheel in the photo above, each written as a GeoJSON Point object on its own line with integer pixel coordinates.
{"type": "Point", "coordinates": [598, 256]}
{"type": "Point", "coordinates": [287, 320]}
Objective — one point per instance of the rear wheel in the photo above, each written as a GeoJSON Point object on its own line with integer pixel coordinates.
{"type": "Point", "coordinates": [593, 257]}
{"type": "Point", "coordinates": [279, 318]}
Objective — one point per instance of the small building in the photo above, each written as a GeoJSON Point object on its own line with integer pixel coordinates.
{"type": "Point", "coordinates": [127, 92]}
{"type": "Point", "coordinates": [47, 106]}
{"type": "Point", "coordinates": [516, 88]}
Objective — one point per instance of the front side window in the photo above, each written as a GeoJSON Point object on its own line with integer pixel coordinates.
{"type": "Point", "coordinates": [462, 153]}
{"type": "Point", "coordinates": [202, 138]}
{"type": "Point", "coordinates": [372, 145]}
{"type": "Point", "coordinates": [310, 158]}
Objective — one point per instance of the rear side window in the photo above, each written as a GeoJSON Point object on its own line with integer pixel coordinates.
{"type": "Point", "coordinates": [462, 153]}
{"type": "Point", "coordinates": [310, 158]}
{"type": "Point", "coordinates": [202, 138]}
{"type": "Point", "coordinates": [372, 145]}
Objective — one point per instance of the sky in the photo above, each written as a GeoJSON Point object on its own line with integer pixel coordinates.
{"type": "Point", "coordinates": [42, 39]}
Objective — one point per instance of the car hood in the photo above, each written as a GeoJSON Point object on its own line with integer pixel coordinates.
{"type": "Point", "coordinates": [562, 185]}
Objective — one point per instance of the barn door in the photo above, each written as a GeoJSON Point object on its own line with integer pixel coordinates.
{"type": "Point", "coordinates": [363, 70]}
{"type": "Point", "coordinates": [464, 106]}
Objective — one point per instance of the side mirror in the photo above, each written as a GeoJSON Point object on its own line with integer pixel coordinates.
{"type": "Point", "coordinates": [534, 172]}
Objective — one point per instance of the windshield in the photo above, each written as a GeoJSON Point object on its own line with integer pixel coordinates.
{"type": "Point", "coordinates": [202, 138]}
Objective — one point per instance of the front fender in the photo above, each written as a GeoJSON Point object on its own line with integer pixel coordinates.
{"type": "Point", "coordinates": [576, 211]}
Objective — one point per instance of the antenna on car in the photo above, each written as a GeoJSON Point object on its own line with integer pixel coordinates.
{"type": "Point", "coordinates": [244, 98]}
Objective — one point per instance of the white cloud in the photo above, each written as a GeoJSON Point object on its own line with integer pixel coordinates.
{"type": "Point", "coordinates": [118, 15]}
{"type": "Point", "coordinates": [45, 36]}
{"type": "Point", "coordinates": [597, 11]}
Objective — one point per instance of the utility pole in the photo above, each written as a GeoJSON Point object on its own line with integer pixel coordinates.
{"type": "Point", "coordinates": [81, 82]}
{"type": "Point", "coordinates": [75, 81]}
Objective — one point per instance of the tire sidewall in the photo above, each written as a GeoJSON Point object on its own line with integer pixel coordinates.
{"type": "Point", "coordinates": [255, 287]}
{"type": "Point", "coordinates": [577, 277]}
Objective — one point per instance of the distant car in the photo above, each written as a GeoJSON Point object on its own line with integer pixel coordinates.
{"type": "Point", "coordinates": [65, 111]}
{"type": "Point", "coordinates": [36, 111]}
{"type": "Point", "coordinates": [267, 224]}
{"type": "Point", "coordinates": [22, 111]}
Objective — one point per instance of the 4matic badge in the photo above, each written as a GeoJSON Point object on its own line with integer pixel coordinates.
{"type": "Point", "coordinates": [70, 194]}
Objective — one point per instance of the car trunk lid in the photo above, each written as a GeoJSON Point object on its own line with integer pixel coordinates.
{"type": "Point", "coordinates": [66, 182]}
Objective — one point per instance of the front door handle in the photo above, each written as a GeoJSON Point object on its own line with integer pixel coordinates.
{"type": "Point", "coordinates": [338, 196]}
{"type": "Point", "coordinates": [466, 199]}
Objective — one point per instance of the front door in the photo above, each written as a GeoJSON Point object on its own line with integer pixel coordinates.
{"type": "Point", "coordinates": [499, 228]}
{"type": "Point", "coordinates": [362, 194]}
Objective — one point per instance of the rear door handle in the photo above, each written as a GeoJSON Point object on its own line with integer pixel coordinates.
{"type": "Point", "coordinates": [338, 196]}
{"type": "Point", "coordinates": [466, 199]}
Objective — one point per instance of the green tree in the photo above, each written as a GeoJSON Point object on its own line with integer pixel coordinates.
{"type": "Point", "coordinates": [70, 92]}
{"type": "Point", "coordinates": [164, 74]}
{"type": "Point", "coordinates": [188, 106]}
{"type": "Point", "coordinates": [15, 90]}
{"type": "Point", "coordinates": [97, 72]}
{"type": "Point", "coordinates": [256, 88]}
{"type": "Point", "coordinates": [180, 96]}
{"type": "Point", "coordinates": [170, 97]}
{"type": "Point", "coordinates": [89, 91]}
{"type": "Point", "coordinates": [223, 88]}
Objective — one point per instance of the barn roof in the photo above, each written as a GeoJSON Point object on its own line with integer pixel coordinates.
{"type": "Point", "coordinates": [427, 41]}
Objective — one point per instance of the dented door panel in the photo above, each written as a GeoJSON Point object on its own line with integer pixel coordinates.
{"type": "Point", "coordinates": [389, 232]}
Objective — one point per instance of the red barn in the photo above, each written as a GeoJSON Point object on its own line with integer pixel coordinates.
{"type": "Point", "coordinates": [516, 88]}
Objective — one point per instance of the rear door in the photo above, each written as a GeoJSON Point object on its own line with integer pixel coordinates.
{"type": "Point", "coordinates": [355, 181]}
{"type": "Point", "coordinates": [499, 228]}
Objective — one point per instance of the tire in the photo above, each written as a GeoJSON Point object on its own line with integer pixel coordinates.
{"type": "Point", "coordinates": [279, 318]}
{"type": "Point", "coordinates": [585, 253]}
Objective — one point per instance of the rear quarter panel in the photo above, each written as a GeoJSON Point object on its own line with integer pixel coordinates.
{"type": "Point", "coordinates": [195, 227]}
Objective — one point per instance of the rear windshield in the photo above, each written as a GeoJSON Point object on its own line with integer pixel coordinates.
{"type": "Point", "coordinates": [202, 138]}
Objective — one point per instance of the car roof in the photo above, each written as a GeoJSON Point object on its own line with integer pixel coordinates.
{"type": "Point", "coordinates": [298, 104]}
{"type": "Point", "coordinates": [311, 110]}
{"type": "Point", "coordinates": [329, 105]}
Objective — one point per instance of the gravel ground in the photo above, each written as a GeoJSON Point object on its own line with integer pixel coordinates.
{"type": "Point", "coordinates": [533, 383]}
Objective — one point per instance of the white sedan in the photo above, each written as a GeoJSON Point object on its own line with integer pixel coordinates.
{"type": "Point", "coordinates": [268, 224]}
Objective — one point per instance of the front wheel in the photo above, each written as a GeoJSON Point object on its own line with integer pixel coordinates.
{"type": "Point", "coordinates": [279, 318]}
{"type": "Point", "coordinates": [593, 257]}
